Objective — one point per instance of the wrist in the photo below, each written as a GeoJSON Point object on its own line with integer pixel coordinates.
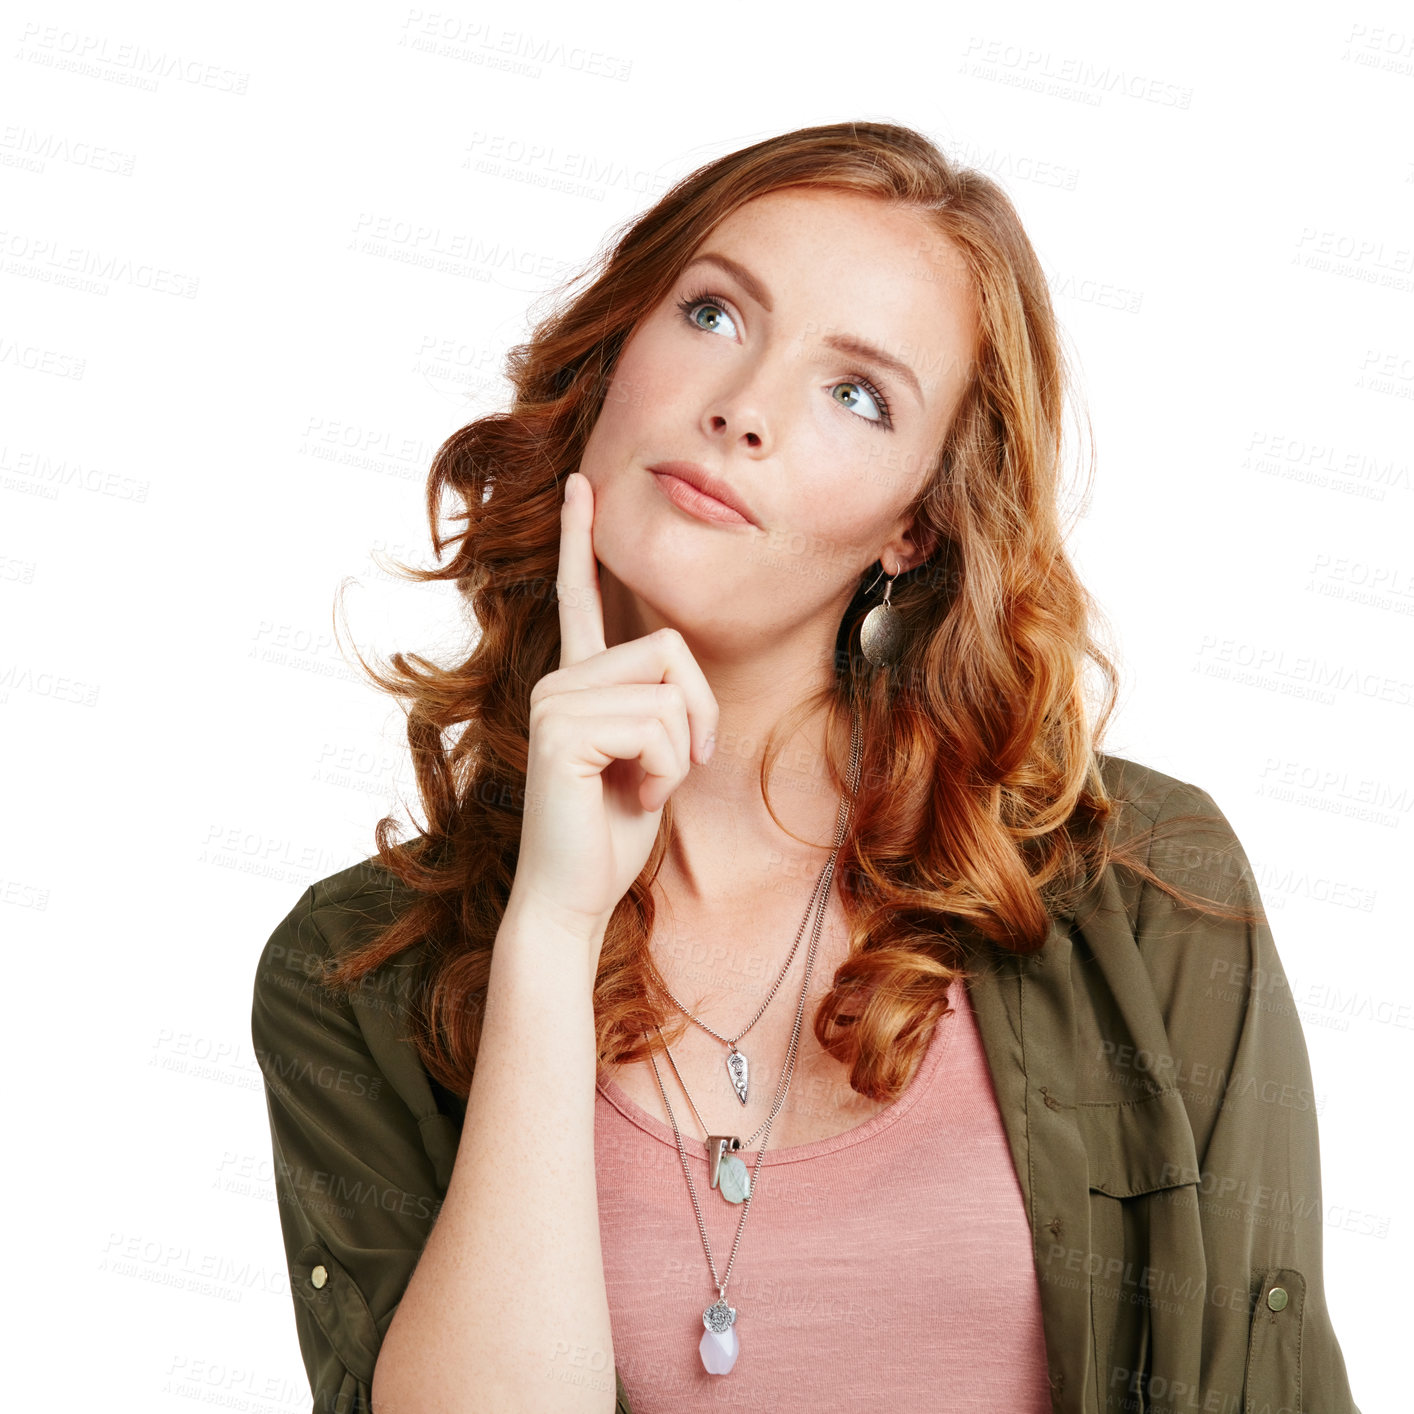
{"type": "Point", "coordinates": [538, 924]}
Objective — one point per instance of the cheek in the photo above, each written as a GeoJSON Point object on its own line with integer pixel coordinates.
{"type": "Point", "coordinates": [891, 472]}
{"type": "Point", "coordinates": [826, 542]}
{"type": "Point", "coordinates": [853, 501]}
{"type": "Point", "coordinates": [643, 383]}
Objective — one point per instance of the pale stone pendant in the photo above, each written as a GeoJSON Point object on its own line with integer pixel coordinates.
{"type": "Point", "coordinates": [733, 1180]}
{"type": "Point", "coordinates": [726, 1173]}
{"type": "Point", "coordinates": [720, 1344]}
{"type": "Point", "coordinates": [737, 1069]}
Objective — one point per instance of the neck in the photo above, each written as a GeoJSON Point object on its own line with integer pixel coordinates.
{"type": "Point", "coordinates": [724, 842]}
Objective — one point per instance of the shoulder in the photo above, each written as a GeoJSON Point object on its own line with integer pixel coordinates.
{"type": "Point", "coordinates": [1175, 830]}
{"type": "Point", "coordinates": [1188, 834]}
{"type": "Point", "coordinates": [338, 912]}
{"type": "Point", "coordinates": [1148, 794]}
{"type": "Point", "coordinates": [331, 917]}
{"type": "Point", "coordinates": [365, 1028]}
{"type": "Point", "coordinates": [1181, 943]}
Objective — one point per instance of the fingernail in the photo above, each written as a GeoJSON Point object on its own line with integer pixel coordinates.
{"type": "Point", "coordinates": [709, 748]}
{"type": "Point", "coordinates": [569, 486]}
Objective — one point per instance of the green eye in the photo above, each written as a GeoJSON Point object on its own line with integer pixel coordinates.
{"type": "Point", "coordinates": [693, 304]}
{"type": "Point", "coordinates": [875, 397]}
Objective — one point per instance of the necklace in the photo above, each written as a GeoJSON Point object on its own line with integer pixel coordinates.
{"type": "Point", "coordinates": [720, 1344]}
{"type": "Point", "coordinates": [727, 1173]}
{"type": "Point", "coordinates": [738, 1067]}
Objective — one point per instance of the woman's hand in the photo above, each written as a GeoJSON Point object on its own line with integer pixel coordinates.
{"type": "Point", "coordinates": [613, 732]}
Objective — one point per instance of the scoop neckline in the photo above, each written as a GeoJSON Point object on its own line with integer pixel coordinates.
{"type": "Point", "coordinates": [923, 1077]}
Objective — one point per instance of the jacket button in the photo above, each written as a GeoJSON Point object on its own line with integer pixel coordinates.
{"type": "Point", "coordinates": [320, 1275]}
{"type": "Point", "coordinates": [1276, 1298]}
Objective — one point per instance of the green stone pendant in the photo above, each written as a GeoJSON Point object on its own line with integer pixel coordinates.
{"type": "Point", "coordinates": [733, 1180]}
{"type": "Point", "coordinates": [727, 1173]}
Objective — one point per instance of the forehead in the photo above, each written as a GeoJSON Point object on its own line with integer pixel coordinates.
{"type": "Point", "coordinates": [837, 226]}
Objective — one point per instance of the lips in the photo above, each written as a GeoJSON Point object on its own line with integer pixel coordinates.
{"type": "Point", "coordinates": [701, 480]}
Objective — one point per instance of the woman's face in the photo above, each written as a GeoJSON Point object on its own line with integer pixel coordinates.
{"type": "Point", "coordinates": [752, 370]}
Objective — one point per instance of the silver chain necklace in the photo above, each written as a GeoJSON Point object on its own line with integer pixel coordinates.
{"type": "Point", "coordinates": [720, 1344]}
{"type": "Point", "coordinates": [727, 1173]}
{"type": "Point", "coordinates": [737, 1066]}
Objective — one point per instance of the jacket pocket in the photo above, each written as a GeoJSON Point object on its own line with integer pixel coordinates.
{"type": "Point", "coordinates": [1135, 1149]}
{"type": "Point", "coordinates": [1273, 1380]}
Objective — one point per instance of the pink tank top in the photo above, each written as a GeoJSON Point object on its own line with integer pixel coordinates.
{"type": "Point", "coordinates": [887, 1267]}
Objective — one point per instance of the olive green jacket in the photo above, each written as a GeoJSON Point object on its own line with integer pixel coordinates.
{"type": "Point", "coordinates": [1153, 1080]}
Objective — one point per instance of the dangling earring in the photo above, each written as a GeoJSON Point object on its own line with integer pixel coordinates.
{"type": "Point", "coordinates": [881, 633]}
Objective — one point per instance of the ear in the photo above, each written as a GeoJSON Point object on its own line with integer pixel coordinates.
{"type": "Point", "coordinates": [908, 549]}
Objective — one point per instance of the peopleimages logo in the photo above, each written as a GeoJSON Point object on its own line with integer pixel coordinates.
{"type": "Point", "coordinates": [1065, 76]}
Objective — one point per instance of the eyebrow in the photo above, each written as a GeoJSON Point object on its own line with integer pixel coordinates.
{"type": "Point", "coordinates": [850, 344]}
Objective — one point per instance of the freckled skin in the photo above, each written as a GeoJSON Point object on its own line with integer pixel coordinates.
{"type": "Point", "coordinates": [758, 399]}
{"type": "Point", "coordinates": [754, 397]}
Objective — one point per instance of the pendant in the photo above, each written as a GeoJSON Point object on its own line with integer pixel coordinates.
{"type": "Point", "coordinates": [881, 635]}
{"type": "Point", "coordinates": [734, 1182]}
{"type": "Point", "coordinates": [737, 1069]}
{"type": "Point", "coordinates": [720, 1343]}
{"type": "Point", "coordinates": [728, 1174]}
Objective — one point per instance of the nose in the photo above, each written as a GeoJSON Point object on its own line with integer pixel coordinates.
{"type": "Point", "coordinates": [719, 423]}
{"type": "Point", "coordinates": [738, 411]}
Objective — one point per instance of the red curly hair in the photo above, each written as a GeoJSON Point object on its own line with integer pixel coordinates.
{"type": "Point", "coordinates": [981, 807]}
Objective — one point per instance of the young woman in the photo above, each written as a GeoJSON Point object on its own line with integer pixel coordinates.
{"type": "Point", "coordinates": [772, 872]}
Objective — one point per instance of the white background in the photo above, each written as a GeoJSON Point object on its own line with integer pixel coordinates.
{"type": "Point", "coordinates": [222, 389]}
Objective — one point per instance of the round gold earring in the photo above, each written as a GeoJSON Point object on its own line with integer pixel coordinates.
{"type": "Point", "coordinates": [881, 633]}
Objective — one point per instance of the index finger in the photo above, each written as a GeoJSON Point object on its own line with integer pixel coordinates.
{"type": "Point", "coordinates": [577, 577]}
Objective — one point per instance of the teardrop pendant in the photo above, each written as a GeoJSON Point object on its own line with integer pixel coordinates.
{"type": "Point", "coordinates": [738, 1070]}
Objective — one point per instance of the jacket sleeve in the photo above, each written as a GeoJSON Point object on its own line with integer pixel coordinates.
{"type": "Point", "coordinates": [362, 1157]}
{"type": "Point", "coordinates": [1245, 1074]}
